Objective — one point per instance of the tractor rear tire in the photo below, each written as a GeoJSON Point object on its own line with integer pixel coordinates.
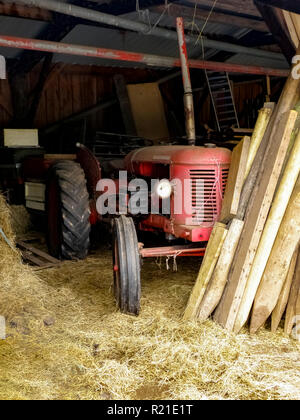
{"type": "Point", "coordinates": [68, 211]}
{"type": "Point", "coordinates": [126, 265]}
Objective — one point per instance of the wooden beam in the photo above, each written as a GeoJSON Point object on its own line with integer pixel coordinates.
{"type": "Point", "coordinates": [289, 97]}
{"type": "Point", "coordinates": [278, 264]}
{"type": "Point", "coordinates": [22, 11]}
{"type": "Point", "coordinates": [216, 17]}
{"type": "Point", "coordinates": [263, 267]}
{"type": "Point", "coordinates": [257, 135]}
{"type": "Point", "coordinates": [242, 7]}
{"type": "Point", "coordinates": [209, 262]}
{"type": "Point", "coordinates": [19, 95]}
{"type": "Point", "coordinates": [290, 23]}
{"type": "Point", "coordinates": [257, 212]}
{"type": "Point", "coordinates": [125, 104]}
{"type": "Point", "coordinates": [54, 73]}
{"type": "Point", "coordinates": [281, 305]}
{"type": "Point", "coordinates": [235, 181]}
{"type": "Point", "coordinates": [289, 5]}
{"type": "Point", "coordinates": [218, 280]}
{"type": "Point", "coordinates": [293, 299]}
{"type": "Point", "coordinates": [38, 91]}
{"type": "Point", "coordinates": [103, 104]}
{"type": "Point", "coordinates": [54, 31]}
{"type": "Point", "coordinates": [277, 25]}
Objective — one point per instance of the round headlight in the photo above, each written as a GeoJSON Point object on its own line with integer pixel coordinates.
{"type": "Point", "coordinates": [164, 188]}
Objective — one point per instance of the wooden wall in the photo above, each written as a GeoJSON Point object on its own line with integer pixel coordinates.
{"type": "Point", "coordinates": [6, 111]}
{"type": "Point", "coordinates": [71, 89]}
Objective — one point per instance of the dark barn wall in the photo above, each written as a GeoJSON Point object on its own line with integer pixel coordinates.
{"type": "Point", "coordinates": [6, 110]}
{"type": "Point", "coordinates": [76, 88]}
{"type": "Point", "coordinates": [70, 89]}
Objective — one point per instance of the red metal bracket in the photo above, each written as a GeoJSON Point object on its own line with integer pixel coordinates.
{"type": "Point", "coordinates": [173, 251]}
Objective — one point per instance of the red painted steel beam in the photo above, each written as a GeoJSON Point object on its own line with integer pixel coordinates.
{"type": "Point", "coordinates": [147, 59]}
{"type": "Point", "coordinates": [172, 251]}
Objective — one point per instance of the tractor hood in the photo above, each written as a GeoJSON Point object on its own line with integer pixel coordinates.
{"type": "Point", "coordinates": [180, 155]}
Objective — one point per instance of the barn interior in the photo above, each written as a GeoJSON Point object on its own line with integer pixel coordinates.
{"type": "Point", "coordinates": [149, 307]}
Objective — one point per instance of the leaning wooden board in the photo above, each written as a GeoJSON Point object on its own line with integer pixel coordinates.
{"type": "Point", "coordinates": [207, 267]}
{"type": "Point", "coordinates": [257, 136]}
{"type": "Point", "coordinates": [288, 100]}
{"type": "Point", "coordinates": [278, 264]}
{"type": "Point", "coordinates": [281, 305]}
{"type": "Point", "coordinates": [35, 256]}
{"type": "Point", "coordinates": [238, 165]}
{"type": "Point", "coordinates": [218, 280]}
{"type": "Point", "coordinates": [148, 111]}
{"type": "Point", "coordinates": [293, 302]}
{"type": "Point", "coordinates": [257, 212]}
{"type": "Point", "coordinates": [268, 237]}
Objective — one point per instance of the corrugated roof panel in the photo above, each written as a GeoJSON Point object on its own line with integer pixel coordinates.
{"type": "Point", "coordinates": [19, 27]}
{"type": "Point", "coordinates": [119, 40]}
{"type": "Point", "coordinates": [129, 41]}
{"type": "Point", "coordinates": [258, 61]}
{"type": "Point", "coordinates": [165, 20]}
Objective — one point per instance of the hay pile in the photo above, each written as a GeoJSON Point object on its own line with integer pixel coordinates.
{"type": "Point", "coordinates": [20, 220]}
{"type": "Point", "coordinates": [23, 296]}
{"type": "Point", "coordinates": [75, 344]}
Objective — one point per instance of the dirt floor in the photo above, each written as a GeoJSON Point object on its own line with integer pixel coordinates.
{"type": "Point", "coordinates": [66, 340]}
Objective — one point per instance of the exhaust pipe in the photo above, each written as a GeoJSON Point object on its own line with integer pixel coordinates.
{"type": "Point", "coordinates": [188, 93]}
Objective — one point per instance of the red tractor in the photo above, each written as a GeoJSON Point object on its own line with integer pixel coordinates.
{"type": "Point", "coordinates": [65, 190]}
{"type": "Point", "coordinates": [204, 170]}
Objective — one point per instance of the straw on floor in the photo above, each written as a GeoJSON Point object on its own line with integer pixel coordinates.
{"type": "Point", "coordinates": [66, 339]}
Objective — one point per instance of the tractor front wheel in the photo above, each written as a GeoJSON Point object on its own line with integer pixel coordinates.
{"type": "Point", "coordinates": [126, 266]}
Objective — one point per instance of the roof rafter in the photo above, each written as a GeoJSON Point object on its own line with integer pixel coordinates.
{"type": "Point", "coordinates": [275, 21]}
{"type": "Point", "coordinates": [242, 7]}
{"type": "Point", "coordinates": [60, 25]}
{"type": "Point", "coordinates": [289, 5]}
{"type": "Point", "coordinates": [19, 10]}
{"type": "Point", "coordinates": [216, 17]}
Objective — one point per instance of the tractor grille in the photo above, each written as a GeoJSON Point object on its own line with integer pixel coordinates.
{"type": "Point", "coordinates": [207, 190]}
{"type": "Point", "coordinates": [225, 173]}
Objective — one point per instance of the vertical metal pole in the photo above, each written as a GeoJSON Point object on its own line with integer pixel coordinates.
{"type": "Point", "coordinates": [188, 93]}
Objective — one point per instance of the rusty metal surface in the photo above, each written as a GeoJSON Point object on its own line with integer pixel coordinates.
{"type": "Point", "coordinates": [142, 28]}
{"type": "Point", "coordinates": [147, 59]}
{"type": "Point", "coordinates": [173, 251]}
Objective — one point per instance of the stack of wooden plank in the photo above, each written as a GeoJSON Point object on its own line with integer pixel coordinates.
{"type": "Point", "coordinates": [37, 258]}
{"type": "Point", "coordinates": [251, 267]}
